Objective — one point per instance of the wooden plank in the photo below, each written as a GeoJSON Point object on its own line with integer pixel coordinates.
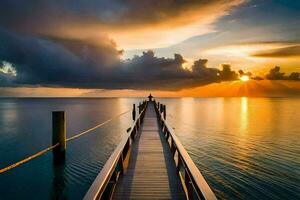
{"type": "Point", "coordinates": [151, 172]}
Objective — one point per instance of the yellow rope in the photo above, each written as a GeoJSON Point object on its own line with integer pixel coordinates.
{"type": "Point", "coordinates": [53, 146]}
{"type": "Point", "coordinates": [95, 127]}
{"type": "Point", "coordinates": [28, 158]}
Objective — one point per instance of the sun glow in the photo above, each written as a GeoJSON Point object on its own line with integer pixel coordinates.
{"type": "Point", "coordinates": [244, 78]}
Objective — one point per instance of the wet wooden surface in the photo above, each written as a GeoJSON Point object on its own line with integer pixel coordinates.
{"type": "Point", "coordinates": [151, 172]}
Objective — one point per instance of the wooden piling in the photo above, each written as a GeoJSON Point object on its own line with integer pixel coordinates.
{"type": "Point", "coordinates": [161, 108]}
{"type": "Point", "coordinates": [133, 112]}
{"type": "Point", "coordinates": [165, 112]}
{"type": "Point", "coordinates": [140, 108]}
{"type": "Point", "coordinates": [59, 132]}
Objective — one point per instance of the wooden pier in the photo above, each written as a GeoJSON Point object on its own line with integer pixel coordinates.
{"type": "Point", "coordinates": [151, 172]}
{"type": "Point", "coordinates": [150, 163]}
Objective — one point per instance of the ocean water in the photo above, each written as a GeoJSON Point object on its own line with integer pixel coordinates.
{"type": "Point", "coordinates": [246, 148]}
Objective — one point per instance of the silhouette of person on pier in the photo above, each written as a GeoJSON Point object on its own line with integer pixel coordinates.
{"type": "Point", "coordinates": [150, 97]}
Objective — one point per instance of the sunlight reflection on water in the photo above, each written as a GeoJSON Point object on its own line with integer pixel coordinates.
{"type": "Point", "coordinates": [245, 147]}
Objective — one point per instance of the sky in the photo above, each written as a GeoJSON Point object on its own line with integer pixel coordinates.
{"type": "Point", "coordinates": [130, 48]}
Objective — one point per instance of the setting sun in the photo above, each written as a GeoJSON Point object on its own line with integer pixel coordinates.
{"type": "Point", "coordinates": [244, 78]}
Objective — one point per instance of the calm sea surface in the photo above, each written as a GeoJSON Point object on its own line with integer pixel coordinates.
{"type": "Point", "coordinates": [246, 148]}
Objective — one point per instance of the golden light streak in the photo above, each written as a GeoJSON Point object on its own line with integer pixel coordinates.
{"type": "Point", "coordinates": [244, 50]}
{"type": "Point", "coordinates": [251, 88]}
{"type": "Point", "coordinates": [240, 56]}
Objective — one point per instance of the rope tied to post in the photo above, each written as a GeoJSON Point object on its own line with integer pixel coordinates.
{"type": "Point", "coordinates": [57, 144]}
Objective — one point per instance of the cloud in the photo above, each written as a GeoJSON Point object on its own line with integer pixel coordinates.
{"type": "Point", "coordinates": [290, 51]}
{"type": "Point", "coordinates": [75, 63]}
{"type": "Point", "coordinates": [112, 13]}
{"type": "Point", "coordinates": [7, 73]}
{"type": "Point", "coordinates": [227, 73]}
{"type": "Point", "coordinates": [82, 64]}
{"type": "Point", "coordinates": [149, 22]}
{"type": "Point", "coordinates": [275, 74]}
{"type": "Point", "coordinates": [68, 44]}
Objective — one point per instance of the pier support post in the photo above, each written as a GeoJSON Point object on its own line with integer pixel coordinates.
{"type": "Point", "coordinates": [140, 108]}
{"type": "Point", "coordinates": [59, 133]}
{"type": "Point", "coordinates": [165, 112]}
{"type": "Point", "coordinates": [133, 112]}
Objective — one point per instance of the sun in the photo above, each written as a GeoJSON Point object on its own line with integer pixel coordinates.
{"type": "Point", "coordinates": [244, 78]}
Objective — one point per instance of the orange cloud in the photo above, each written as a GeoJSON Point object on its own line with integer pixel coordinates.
{"type": "Point", "coordinates": [149, 25]}
{"type": "Point", "coordinates": [257, 56]}
{"type": "Point", "coordinates": [290, 51]}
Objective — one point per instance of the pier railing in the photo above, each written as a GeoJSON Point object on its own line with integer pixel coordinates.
{"type": "Point", "coordinates": [104, 184]}
{"type": "Point", "coordinates": [194, 183]}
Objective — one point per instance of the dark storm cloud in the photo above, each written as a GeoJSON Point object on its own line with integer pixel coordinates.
{"type": "Point", "coordinates": [38, 15]}
{"type": "Point", "coordinates": [290, 51]}
{"type": "Point", "coordinates": [227, 73]}
{"type": "Point", "coordinates": [36, 60]}
{"type": "Point", "coordinates": [34, 38]}
{"type": "Point", "coordinates": [82, 64]}
{"type": "Point", "coordinates": [276, 74]}
{"type": "Point", "coordinates": [150, 72]}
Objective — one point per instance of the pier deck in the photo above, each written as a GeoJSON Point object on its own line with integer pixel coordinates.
{"type": "Point", "coordinates": [150, 163]}
{"type": "Point", "coordinates": [151, 172]}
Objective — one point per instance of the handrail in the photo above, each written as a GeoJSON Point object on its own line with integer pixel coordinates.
{"type": "Point", "coordinates": [194, 182]}
{"type": "Point", "coordinates": [113, 167]}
